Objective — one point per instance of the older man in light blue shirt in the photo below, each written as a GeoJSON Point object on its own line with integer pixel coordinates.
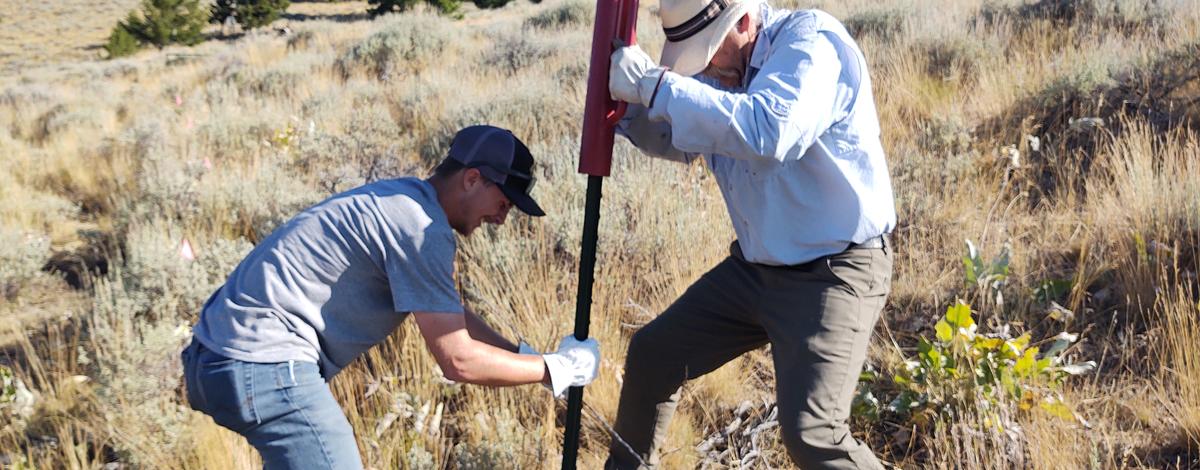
{"type": "Point", "coordinates": [781, 109]}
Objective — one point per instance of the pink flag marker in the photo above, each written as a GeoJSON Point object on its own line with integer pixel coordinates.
{"type": "Point", "coordinates": [185, 250]}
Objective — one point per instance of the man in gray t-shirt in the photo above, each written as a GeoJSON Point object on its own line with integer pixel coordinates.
{"type": "Point", "coordinates": [338, 279]}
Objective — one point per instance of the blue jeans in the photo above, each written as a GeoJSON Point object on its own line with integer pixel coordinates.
{"type": "Point", "coordinates": [285, 410]}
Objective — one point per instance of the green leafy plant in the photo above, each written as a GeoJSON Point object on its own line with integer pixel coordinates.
{"type": "Point", "coordinates": [16, 401]}
{"type": "Point", "coordinates": [987, 277]}
{"type": "Point", "coordinates": [961, 371]}
{"type": "Point", "coordinates": [8, 386]}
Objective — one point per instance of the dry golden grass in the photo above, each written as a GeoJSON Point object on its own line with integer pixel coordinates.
{"type": "Point", "coordinates": [37, 33]}
{"type": "Point", "coordinates": [109, 166]}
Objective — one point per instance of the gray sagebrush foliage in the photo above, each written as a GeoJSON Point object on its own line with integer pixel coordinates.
{"type": "Point", "coordinates": [569, 14]}
{"type": "Point", "coordinates": [515, 52]}
{"type": "Point", "coordinates": [138, 324]}
{"type": "Point", "coordinates": [22, 256]}
{"type": "Point", "coordinates": [255, 202]}
{"type": "Point", "coordinates": [165, 184]}
{"type": "Point", "coordinates": [402, 46]}
{"type": "Point", "coordinates": [368, 149]}
{"type": "Point", "coordinates": [136, 362]}
{"type": "Point", "coordinates": [506, 442]}
{"type": "Point", "coordinates": [161, 283]}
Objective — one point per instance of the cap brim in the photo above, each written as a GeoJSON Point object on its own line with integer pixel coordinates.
{"type": "Point", "coordinates": [691, 56]}
{"type": "Point", "coordinates": [523, 202]}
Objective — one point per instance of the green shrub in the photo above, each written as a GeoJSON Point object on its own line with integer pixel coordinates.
{"type": "Point", "coordinates": [383, 7]}
{"type": "Point", "coordinates": [249, 13]}
{"type": "Point", "coordinates": [490, 3]}
{"type": "Point", "coordinates": [986, 278]}
{"type": "Point", "coordinates": [163, 22]}
{"type": "Point", "coordinates": [121, 43]}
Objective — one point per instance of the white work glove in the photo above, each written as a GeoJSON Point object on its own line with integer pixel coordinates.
{"type": "Point", "coordinates": [633, 75]}
{"type": "Point", "coordinates": [575, 364]}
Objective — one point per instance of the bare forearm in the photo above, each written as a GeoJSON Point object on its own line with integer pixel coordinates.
{"type": "Point", "coordinates": [481, 331]}
{"type": "Point", "coordinates": [485, 364]}
{"type": "Point", "coordinates": [465, 355]}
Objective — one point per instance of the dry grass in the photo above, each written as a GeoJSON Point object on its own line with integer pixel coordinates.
{"type": "Point", "coordinates": [36, 33]}
{"type": "Point", "coordinates": [109, 166]}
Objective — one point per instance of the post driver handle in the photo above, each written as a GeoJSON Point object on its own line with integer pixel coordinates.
{"type": "Point", "coordinates": [627, 11]}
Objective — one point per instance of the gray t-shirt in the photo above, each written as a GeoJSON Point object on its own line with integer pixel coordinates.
{"type": "Point", "coordinates": [337, 279]}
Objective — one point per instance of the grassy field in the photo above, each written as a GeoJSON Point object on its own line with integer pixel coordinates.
{"type": "Point", "coordinates": [1061, 137]}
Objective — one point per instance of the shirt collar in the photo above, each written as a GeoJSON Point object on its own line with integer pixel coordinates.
{"type": "Point", "coordinates": [762, 45]}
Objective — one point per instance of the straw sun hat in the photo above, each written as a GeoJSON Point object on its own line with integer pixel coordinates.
{"type": "Point", "coordinates": [695, 30]}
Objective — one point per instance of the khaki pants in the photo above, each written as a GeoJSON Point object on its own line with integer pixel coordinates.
{"type": "Point", "coordinates": [818, 317]}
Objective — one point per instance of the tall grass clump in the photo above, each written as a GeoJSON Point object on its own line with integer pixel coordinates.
{"type": "Point", "coordinates": [1177, 313]}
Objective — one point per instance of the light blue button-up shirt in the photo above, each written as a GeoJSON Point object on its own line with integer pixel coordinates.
{"type": "Point", "coordinates": [795, 150]}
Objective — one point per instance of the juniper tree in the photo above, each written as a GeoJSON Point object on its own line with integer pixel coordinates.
{"type": "Point", "coordinates": [163, 22]}
{"type": "Point", "coordinates": [380, 7]}
{"type": "Point", "coordinates": [121, 43]}
{"type": "Point", "coordinates": [249, 13]}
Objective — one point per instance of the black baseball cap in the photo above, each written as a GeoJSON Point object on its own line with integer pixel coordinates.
{"type": "Point", "coordinates": [501, 158]}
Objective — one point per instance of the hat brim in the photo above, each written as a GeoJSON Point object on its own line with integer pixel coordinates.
{"type": "Point", "coordinates": [691, 56]}
{"type": "Point", "coordinates": [523, 202]}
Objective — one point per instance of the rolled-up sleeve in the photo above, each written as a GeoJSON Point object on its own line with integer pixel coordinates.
{"type": "Point", "coordinates": [790, 102]}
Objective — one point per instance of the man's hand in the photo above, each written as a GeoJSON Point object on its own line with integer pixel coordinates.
{"type": "Point", "coordinates": [633, 75]}
{"type": "Point", "coordinates": [575, 364]}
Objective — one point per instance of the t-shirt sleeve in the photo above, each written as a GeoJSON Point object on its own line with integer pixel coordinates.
{"type": "Point", "coordinates": [422, 276]}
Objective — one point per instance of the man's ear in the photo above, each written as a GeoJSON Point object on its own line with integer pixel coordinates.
{"type": "Point", "coordinates": [743, 24]}
{"type": "Point", "coordinates": [471, 177]}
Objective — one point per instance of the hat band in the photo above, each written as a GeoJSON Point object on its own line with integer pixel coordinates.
{"type": "Point", "coordinates": [697, 23]}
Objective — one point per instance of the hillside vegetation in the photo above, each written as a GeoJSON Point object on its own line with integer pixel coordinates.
{"type": "Point", "coordinates": [1061, 137]}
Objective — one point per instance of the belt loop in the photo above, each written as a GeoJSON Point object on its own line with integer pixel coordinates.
{"type": "Point", "coordinates": [292, 371]}
{"type": "Point", "coordinates": [886, 242]}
